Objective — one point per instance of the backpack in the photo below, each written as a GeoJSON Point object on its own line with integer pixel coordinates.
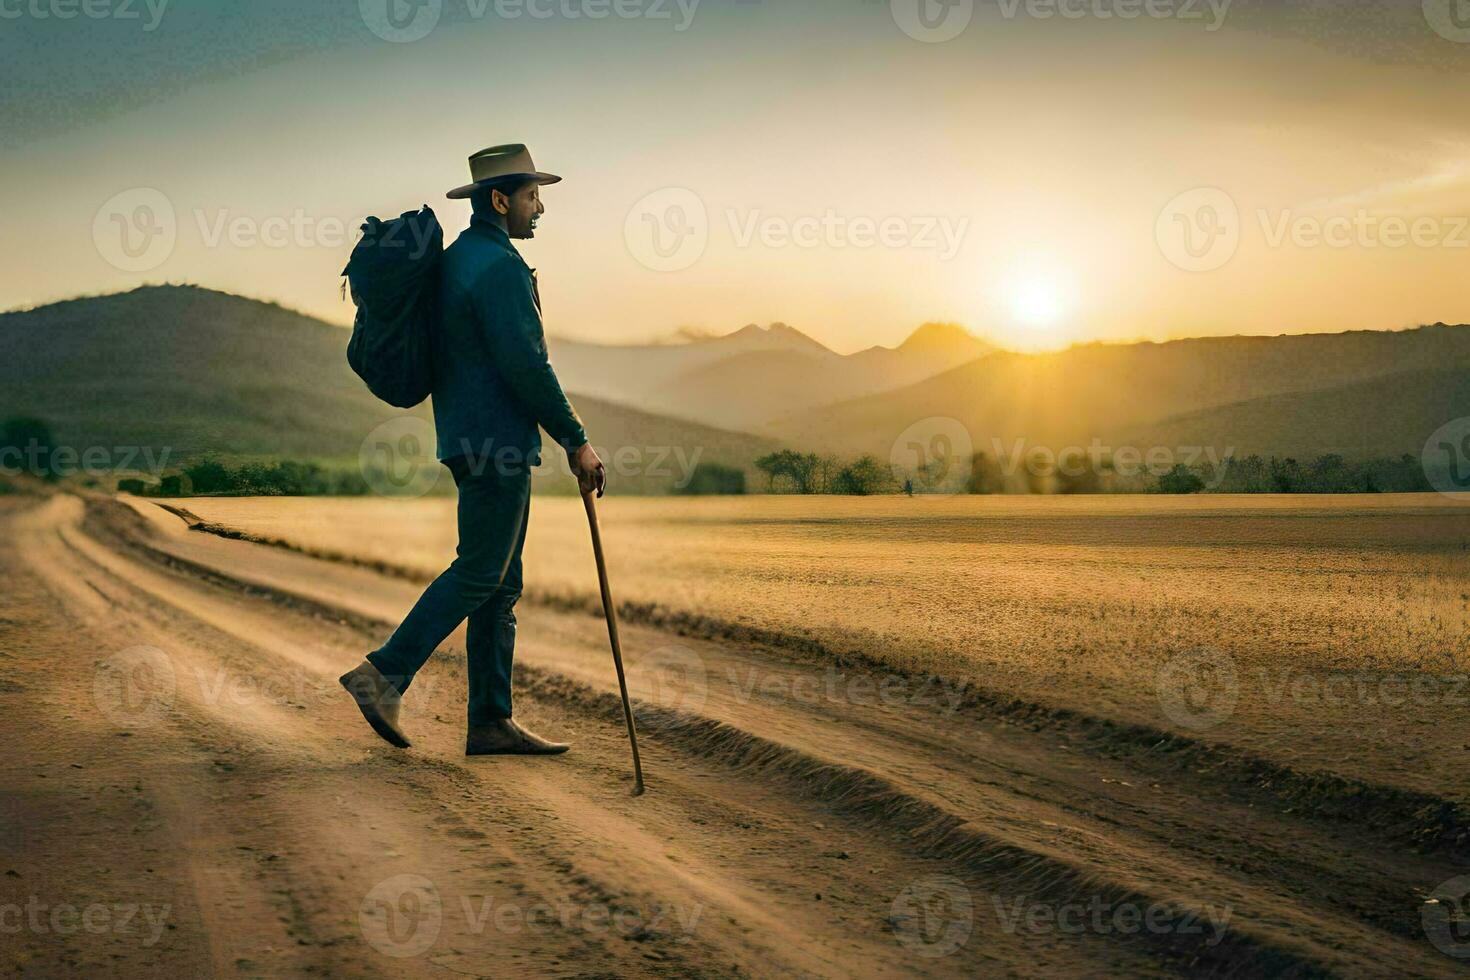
{"type": "Point", "coordinates": [394, 275]}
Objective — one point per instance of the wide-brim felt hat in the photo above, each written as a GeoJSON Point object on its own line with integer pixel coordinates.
{"type": "Point", "coordinates": [498, 162]}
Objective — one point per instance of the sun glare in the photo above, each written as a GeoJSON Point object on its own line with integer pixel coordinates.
{"type": "Point", "coordinates": [1036, 303]}
{"type": "Point", "coordinates": [1038, 306]}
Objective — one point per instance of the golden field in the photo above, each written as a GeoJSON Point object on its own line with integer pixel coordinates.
{"type": "Point", "coordinates": [1321, 614]}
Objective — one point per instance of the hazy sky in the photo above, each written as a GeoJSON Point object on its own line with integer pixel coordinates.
{"type": "Point", "coordinates": [1227, 168]}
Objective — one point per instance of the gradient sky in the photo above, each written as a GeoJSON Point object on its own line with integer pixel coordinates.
{"type": "Point", "coordinates": [1049, 145]}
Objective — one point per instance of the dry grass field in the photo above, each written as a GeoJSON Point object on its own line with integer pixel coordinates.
{"type": "Point", "coordinates": [1338, 628]}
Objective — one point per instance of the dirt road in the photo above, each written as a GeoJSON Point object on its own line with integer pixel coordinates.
{"type": "Point", "coordinates": [188, 793]}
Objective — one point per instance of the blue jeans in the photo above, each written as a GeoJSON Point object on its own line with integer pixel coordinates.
{"type": "Point", "coordinates": [482, 585]}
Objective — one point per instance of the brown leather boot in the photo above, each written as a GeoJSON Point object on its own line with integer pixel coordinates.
{"type": "Point", "coordinates": [505, 737]}
{"type": "Point", "coordinates": [377, 699]}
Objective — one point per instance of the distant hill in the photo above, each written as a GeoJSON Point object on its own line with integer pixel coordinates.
{"type": "Point", "coordinates": [936, 347]}
{"type": "Point", "coordinates": [624, 373]}
{"type": "Point", "coordinates": [1381, 417]}
{"type": "Point", "coordinates": [1171, 392]}
{"type": "Point", "coordinates": [749, 377]}
{"type": "Point", "coordinates": [201, 371]}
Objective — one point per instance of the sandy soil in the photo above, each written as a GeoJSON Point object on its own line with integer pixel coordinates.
{"type": "Point", "coordinates": [188, 793]}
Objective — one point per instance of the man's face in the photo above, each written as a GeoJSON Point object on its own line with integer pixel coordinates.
{"type": "Point", "coordinates": [521, 210]}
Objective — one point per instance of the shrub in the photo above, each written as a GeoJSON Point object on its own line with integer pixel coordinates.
{"type": "Point", "coordinates": [864, 477]}
{"type": "Point", "coordinates": [210, 476]}
{"type": "Point", "coordinates": [1181, 479]}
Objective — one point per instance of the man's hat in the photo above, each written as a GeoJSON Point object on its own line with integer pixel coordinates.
{"type": "Point", "coordinates": [509, 160]}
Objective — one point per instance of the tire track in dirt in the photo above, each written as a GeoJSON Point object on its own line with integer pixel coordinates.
{"type": "Point", "coordinates": [291, 816]}
{"type": "Point", "coordinates": [256, 753]}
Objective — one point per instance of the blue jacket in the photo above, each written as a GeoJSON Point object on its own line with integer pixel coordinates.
{"type": "Point", "coordinates": [493, 382]}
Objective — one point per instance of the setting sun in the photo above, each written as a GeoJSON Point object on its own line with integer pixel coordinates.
{"type": "Point", "coordinates": [1036, 303]}
{"type": "Point", "coordinates": [1037, 306]}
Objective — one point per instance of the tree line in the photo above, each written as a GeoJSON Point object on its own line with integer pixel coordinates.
{"type": "Point", "coordinates": [791, 471]}
{"type": "Point", "coordinates": [1329, 473]}
{"type": "Point", "coordinates": [796, 472]}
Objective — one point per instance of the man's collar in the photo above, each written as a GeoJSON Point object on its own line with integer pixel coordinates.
{"type": "Point", "coordinates": [485, 226]}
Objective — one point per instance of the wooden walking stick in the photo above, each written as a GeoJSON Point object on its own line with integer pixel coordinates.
{"type": "Point", "coordinates": [612, 634]}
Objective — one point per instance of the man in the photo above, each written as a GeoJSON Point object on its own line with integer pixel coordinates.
{"type": "Point", "coordinates": [493, 386]}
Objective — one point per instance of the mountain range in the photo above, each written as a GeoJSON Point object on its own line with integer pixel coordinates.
{"type": "Point", "coordinates": [1358, 393]}
{"type": "Point", "coordinates": [199, 371]}
{"type": "Point", "coordinates": [755, 374]}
